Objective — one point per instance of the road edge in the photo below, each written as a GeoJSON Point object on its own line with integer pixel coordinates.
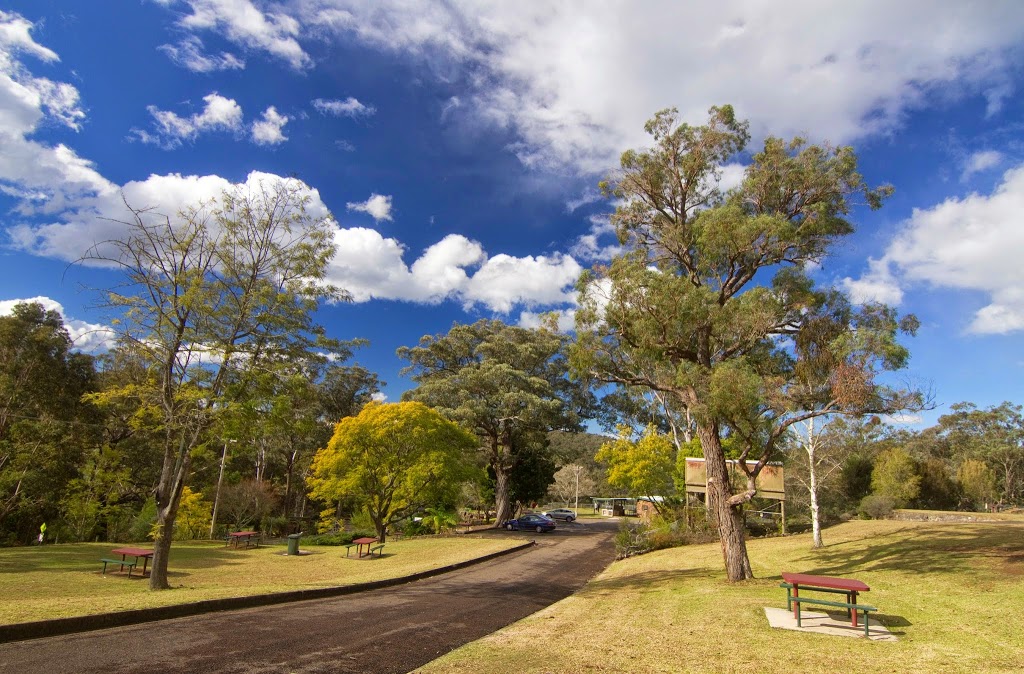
{"type": "Point", "coordinates": [60, 626]}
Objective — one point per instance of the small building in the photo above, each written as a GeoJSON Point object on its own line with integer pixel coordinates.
{"type": "Point", "coordinates": [647, 506]}
{"type": "Point", "coordinates": [615, 507]}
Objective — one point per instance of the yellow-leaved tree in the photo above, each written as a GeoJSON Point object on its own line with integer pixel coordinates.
{"type": "Point", "coordinates": [395, 459]}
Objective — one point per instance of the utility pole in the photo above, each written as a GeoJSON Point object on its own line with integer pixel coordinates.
{"type": "Point", "coordinates": [220, 480]}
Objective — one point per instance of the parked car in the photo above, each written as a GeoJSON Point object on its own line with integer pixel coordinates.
{"type": "Point", "coordinates": [561, 514]}
{"type": "Point", "coordinates": [538, 523]}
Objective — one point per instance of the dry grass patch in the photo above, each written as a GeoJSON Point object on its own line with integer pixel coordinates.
{"type": "Point", "coordinates": [57, 581]}
{"type": "Point", "coordinates": [951, 592]}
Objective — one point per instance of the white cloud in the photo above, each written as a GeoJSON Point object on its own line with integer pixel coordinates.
{"type": "Point", "coordinates": [542, 70]}
{"type": "Point", "coordinates": [15, 37]}
{"type": "Point", "coordinates": [378, 206]}
{"type": "Point", "coordinates": [97, 219]}
{"type": "Point", "coordinates": [45, 178]}
{"type": "Point", "coordinates": [968, 244]}
{"type": "Point", "coordinates": [189, 54]}
{"type": "Point", "coordinates": [244, 24]}
{"type": "Point", "coordinates": [877, 285]}
{"type": "Point", "coordinates": [565, 319]}
{"type": "Point", "coordinates": [269, 130]}
{"type": "Point", "coordinates": [600, 243]}
{"type": "Point", "coordinates": [903, 419]}
{"type": "Point", "coordinates": [372, 267]}
{"type": "Point", "coordinates": [589, 195]}
{"type": "Point", "coordinates": [87, 337]}
{"type": "Point", "coordinates": [219, 114]}
{"type": "Point", "coordinates": [505, 281]}
{"type": "Point", "coordinates": [981, 161]}
{"type": "Point", "coordinates": [350, 107]}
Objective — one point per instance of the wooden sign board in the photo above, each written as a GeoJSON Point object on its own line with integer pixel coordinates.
{"type": "Point", "coordinates": [770, 481]}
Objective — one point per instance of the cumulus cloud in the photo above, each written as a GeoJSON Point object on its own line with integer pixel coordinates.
{"type": "Point", "coordinates": [87, 337]}
{"type": "Point", "coordinates": [971, 243]}
{"type": "Point", "coordinates": [75, 208]}
{"type": "Point", "coordinates": [350, 107]}
{"type": "Point", "coordinates": [542, 70]}
{"type": "Point", "coordinates": [189, 54]}
{"type": "Point", "coordinates": [371, 266]}
{"type": "Point", "coordinates": [44, 178]}
{"type": "Point", "coordinates": [270, 129]}
{"type": "Point", "coordinates": [505, 281]}
{"type": "Point", "coordinates": [219, 114]}
{"type": "Point", "coordinates": [241, 22]}
{"type": "Point", "coordinates": [99, 218]}
{"type": "Point", "coordinates": [378, 206]}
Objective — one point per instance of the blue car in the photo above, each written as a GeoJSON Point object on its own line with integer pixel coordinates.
{"type": "Point", "coordinates": [531, 521]}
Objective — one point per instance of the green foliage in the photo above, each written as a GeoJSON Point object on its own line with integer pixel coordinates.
{"type": "Point", "coordinates": [856, 477]}
{"type": "Point", "coordinates": [895, 477]}
{"type": "Point", "coordinates": [637, 538]}
{"type": "Point", "coordinates": [395, 460]}
{"type": "Point", "coordinates": [710, 304]}
{"type": "Point", "coordinates": [237, 279]}
{"type": "Point", "coordinates": [978, 481]}
{"type": "Point", "coordinates": [876, 506]}
{"type": "Point", "coordinates": [143, 524]}
{"type": "Point", "coordinates": [938, 490]}
{"type": "Point", "coordinates": [440, 520]}
{"type": "Point", "coordinates": [994, 436]}
{"type": "Point", "coordinates": [506, 384]}
{"type": "Point", "coordinates": [45, 428]}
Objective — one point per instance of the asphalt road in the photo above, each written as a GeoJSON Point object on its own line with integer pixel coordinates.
{"type": "Point", "coordinates": [389, 630]}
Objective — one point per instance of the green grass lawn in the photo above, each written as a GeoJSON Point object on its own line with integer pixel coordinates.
{"type": "Point", "coordinates": [56, 581]}
{"type": "Point", "coordinates": [952, 593]}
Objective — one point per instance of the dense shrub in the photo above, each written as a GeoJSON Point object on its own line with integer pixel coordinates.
{"type": "Point", "coordinates": [876, 506]}
{"type": "Point", "coordinates": [338, 538]}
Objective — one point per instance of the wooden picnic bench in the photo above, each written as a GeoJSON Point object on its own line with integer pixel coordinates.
{"type": "Point", "coordinates": [120, 562]}
{"type": "Point", "coordinates": [145, 554]}
{"type": "Point", "coordinates": [795, 582]}
{"type": "Point", "coordinates": [378, 549]}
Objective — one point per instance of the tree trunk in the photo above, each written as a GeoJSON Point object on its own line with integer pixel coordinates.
{"type": "Point", "coordinates": [501, 495]}
{"type": "Point", "coordinates": [811, 447]}
{"type": "Point", "coordinates": [727, 518]}
{"type": "Point", "coordinates": [815, 512]}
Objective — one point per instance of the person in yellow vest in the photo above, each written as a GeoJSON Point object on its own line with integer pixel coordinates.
{"type": "Point", "coordinates": [42, 532]}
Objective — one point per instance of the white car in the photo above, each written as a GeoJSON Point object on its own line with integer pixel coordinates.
{"type": "Point", "coordinates": [561, 514]}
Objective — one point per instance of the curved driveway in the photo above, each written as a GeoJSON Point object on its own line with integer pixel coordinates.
{"type": "Point", "coordinates": [390, 630]}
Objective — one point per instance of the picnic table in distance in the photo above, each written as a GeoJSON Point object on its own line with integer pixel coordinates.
{"type": "Point", "coordinates": [246, 536]}
{"type": "Point", "coordinates": [145, 554]}
{"type": "Point", "coordinates": [359, 543]}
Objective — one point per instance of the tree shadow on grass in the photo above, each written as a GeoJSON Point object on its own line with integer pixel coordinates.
{"type": "Point", "coordinates": [947, 549]}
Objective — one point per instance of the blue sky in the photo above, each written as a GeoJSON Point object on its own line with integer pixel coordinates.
{"type": "Point", "coordinates": [459, 146]}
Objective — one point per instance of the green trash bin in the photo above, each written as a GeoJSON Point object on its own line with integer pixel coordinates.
{"type": "Point", "coordinates": [293, 543]}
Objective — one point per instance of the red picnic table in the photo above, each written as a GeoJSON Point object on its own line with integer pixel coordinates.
{"type": "Point", "coordinates": [236, 536]}
{"type": "Point", "coordinates": [847, 586]}
{"type": "Point", "coordinates": [145, 554]}
{"type": "Point", "coordinates": [359, 543]}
